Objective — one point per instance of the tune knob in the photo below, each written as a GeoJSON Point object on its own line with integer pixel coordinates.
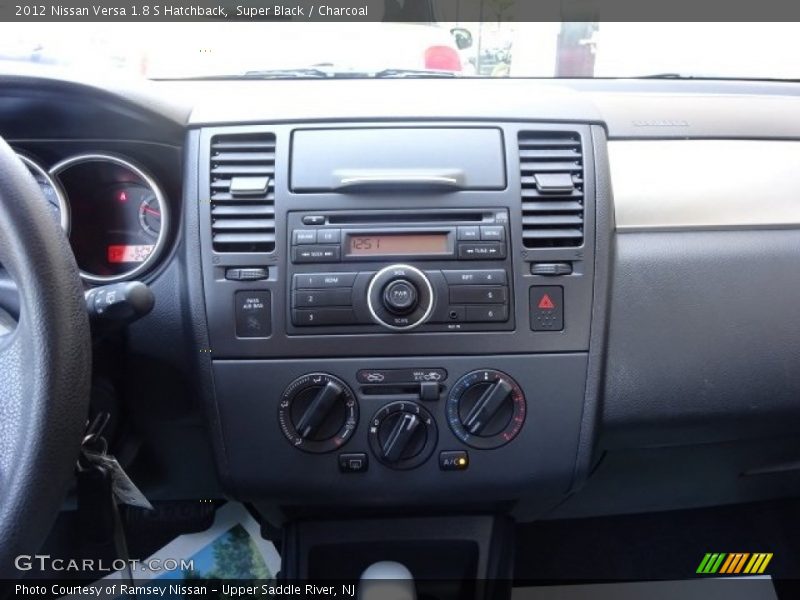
{"type": "Point", "coordinates": [402, 435]}
{"type": "Point", "coordinates": [400, 297]}
{"type": "Point", "coordinates": [486, 409]}
{"type": "Point", "coordinates": [318, 413]}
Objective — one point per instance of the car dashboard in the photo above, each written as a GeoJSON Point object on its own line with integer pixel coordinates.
{"type": "Point", "coordinates": [548, 298]}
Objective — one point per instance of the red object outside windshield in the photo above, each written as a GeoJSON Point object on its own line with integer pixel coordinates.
{"type": "Point", "coordinates": [442, 58]}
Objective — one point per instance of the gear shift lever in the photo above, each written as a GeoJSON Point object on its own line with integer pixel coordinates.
{"type": "Point", "coordinates": [387, 580]}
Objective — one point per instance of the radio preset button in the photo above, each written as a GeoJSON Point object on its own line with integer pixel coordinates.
{"type": "Point", "coordinates": [311, 254]}
{"type": "Point", "coordinates": [323, 316]}
{"type": "Point", "coordinates": [330, 297]}
{"type": "Point", "coordinates": [488, 313]}
{"type": "Point", "coordinates": [478, 294]}
{"type": "Point", "coordinates": [471, 233]}
{"type": "Point", "coordinates": [482, 250]}
{"type": "Point", "coordinates": [304, 236]}
{"type": "Point", "coordinates": [329, 236]}
{"type": "Point", "coordinates": [324, 280]}
{"type": "Point", "coordinates": [496, 276]}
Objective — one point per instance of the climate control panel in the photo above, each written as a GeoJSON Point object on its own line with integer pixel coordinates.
{"type": "Point", "coordinates": [484, 409]}
{"type": "Point", "coordinates": [375, 431]}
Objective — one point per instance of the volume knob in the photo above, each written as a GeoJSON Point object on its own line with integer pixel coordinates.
{"type": "Point", "coordinates": [400, 297]}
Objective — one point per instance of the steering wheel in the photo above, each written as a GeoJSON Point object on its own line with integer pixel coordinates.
{"type": "Point", "coordinates": [45, 366]}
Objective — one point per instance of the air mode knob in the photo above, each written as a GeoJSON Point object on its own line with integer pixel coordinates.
{"type": "Point", "coordinates": [400, 297]}
{"type": "Point", "coordinates": [402, 435]}
{"type": "Point", "coordinates": [318, 413]}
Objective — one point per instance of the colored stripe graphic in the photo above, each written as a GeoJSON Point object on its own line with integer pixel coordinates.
{"type": "Point", "coordinates": [717, 563]}
{"type": "Point", "coordinates": [711, 563]}
{"type": "Point", "coordinates": [758, 563]}
{"type": "Point", "coordinates": [703, 563]}
{"type": "Point", "coordinates": [765, 563]}
{"type": "Point", "coordinates": [734, 563]}
{"type": "Point", "coordinates": [737, 568]}
{"type": "Point", "coordinates": [728, 563]}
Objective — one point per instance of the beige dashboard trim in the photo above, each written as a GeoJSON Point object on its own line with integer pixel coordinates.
{"type": "Point", "coordinates": [705, 184]}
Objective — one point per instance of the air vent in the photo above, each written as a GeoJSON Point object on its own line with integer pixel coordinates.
{"type": "Point", "coordinates": [551, 172]}
{"type": "Point", "coordinates": [243, 192]}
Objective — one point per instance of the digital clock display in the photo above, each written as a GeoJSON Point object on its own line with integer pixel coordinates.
{"type": "Point", "coordinates": [397, 244]}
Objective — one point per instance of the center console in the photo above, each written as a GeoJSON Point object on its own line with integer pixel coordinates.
{"type": "Point", "coordinates": [398, 314]}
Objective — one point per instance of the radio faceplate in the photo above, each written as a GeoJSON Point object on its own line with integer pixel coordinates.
{"type": "Point", "coordinates": [371, 271]}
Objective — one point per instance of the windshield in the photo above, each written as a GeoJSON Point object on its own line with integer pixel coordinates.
{"type": "Point", "coordinates": [422, 46]}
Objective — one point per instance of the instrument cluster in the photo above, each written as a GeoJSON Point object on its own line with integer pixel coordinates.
{"type": "Point", "coordinates": [115, 214]}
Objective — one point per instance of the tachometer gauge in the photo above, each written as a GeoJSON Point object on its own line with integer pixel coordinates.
{"type": "Point", "coordinates": [150, 215]}
{"type": "Point", "coordinates": [51, 190]}
{"type": "Point", "coordinates": [119, 216]}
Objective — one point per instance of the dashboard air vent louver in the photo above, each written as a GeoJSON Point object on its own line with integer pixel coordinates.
{"type": "Point", "coordinates": [242, 178]}
{"type": "Point", "coordinates": [551, 173]}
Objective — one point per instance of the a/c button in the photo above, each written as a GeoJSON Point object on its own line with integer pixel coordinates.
{"type": "Point", "coordinates": [453, 460]}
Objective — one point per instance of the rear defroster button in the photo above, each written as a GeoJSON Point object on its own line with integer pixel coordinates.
{"type": "Point", "coordinates": [354, 462]}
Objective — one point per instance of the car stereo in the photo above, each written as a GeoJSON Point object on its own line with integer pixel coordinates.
{"type": "Point", "coordinates": [361, 271]}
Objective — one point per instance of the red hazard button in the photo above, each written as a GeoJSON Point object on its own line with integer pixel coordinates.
{"type": "Point", "coordinates": [547, 308]}
{"type": "Point", "coordinates": [546, 302]}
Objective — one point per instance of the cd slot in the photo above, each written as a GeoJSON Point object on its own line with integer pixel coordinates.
{"type": "Point", "coordinates": [356, 219]}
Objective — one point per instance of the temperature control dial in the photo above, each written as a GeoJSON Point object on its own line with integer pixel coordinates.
{"type": "Point", "coordinates": [318, 413]}
{"type": "Point", "coordinates": [486, 409]}
{"type": "Point", "coordinates": [402, 435]}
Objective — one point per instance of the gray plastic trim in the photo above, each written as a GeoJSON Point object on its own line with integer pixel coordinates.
{"type": "Point", "coordinates": [705, 184]}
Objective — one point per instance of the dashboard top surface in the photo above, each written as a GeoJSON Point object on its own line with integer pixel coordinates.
{"type": "Point", "coordinates": [627, 108]}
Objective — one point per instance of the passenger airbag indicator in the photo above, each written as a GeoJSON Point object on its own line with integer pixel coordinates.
{"type": "Point", "coordinates": [253, 314]}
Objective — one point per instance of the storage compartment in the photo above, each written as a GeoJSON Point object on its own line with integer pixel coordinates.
{"type": "Point", "coordinates": [450, 558]}
{"type": "Point", "coordinates": [402, 158]}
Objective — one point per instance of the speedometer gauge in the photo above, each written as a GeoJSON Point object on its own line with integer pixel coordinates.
{"type": "Point", "coordinates": [120, 216]}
